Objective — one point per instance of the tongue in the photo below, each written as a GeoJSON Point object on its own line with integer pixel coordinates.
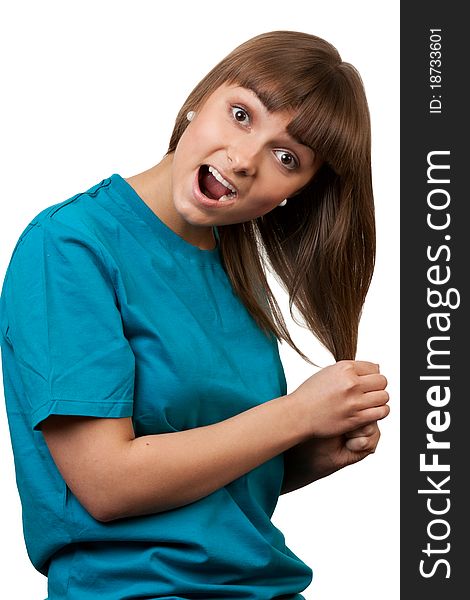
{"type": "Point", "coordinates": [211, 187]}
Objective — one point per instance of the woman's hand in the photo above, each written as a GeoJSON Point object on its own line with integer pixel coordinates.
{"type": "Point", "coordinates": [328, 455]}
{"type": "Point", "coordinates": [320, 457]}
{"type": "Point", "coordinates": [342, 405]}
{"type": "Point", "coordinates": [342, 398]}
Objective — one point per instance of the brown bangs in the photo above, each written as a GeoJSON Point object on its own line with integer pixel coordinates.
{"type": "Point", "coordinates": [333, 119]}
{"type": "Point", "coordinates": [326, 96]}
{"type": "Point", "coordinates": [282, 67]}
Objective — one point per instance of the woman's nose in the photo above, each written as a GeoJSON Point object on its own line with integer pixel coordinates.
{"type": "Point", "coordinates": [243, 158]}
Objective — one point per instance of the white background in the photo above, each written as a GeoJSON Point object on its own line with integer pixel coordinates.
{"type": "Point", "coordinates": [93, 88]}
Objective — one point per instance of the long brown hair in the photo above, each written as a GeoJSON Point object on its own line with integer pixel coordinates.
{"type": "Point", "coordinates": [321, 245]}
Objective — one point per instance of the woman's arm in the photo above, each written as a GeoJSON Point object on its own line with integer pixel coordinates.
{"type": "Point", "coordinates": [115, 475]}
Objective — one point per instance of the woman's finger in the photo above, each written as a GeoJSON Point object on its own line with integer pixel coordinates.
{"type": "Point", "coordinates": [372, 382]}
{"type": "Point", "coordinates": [363, 367]}
{"type": "Point", "coordinates": [361, 444]}
{"type": "Point", "coordinates": [363, 431]}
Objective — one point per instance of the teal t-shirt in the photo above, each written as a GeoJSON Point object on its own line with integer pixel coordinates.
{"type": "Point", "coordinates": [106, 312]}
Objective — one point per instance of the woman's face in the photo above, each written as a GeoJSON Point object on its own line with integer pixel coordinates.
{"type": "Point", "coordinates": [236, 161]}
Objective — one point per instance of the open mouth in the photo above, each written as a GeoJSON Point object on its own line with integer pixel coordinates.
{"type": "Point", "coordinates": [214, 186]}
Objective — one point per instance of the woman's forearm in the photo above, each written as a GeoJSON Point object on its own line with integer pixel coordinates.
{"type": "Point", "coordinates": [116, 475]}
{"type": "Point", "coordinates": [191, 464]}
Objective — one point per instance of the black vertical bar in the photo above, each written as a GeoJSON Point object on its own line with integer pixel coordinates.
{"type": "Point", "coordinates": [435, 259]}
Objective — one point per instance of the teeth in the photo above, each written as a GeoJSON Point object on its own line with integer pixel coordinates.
{"type": "Point", "coordinates": [223, 181]}
{"type": "Point", "coordinates": [226, 197]}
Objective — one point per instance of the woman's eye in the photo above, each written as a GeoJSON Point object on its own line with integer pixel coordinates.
{"type": "Point", "coordinates": [240, 115]}
{"type": "Point", "coordinates": [286, 159]}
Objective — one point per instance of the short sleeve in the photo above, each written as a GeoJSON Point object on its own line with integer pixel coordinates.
{"type": "Point", "coordinates": [65, 327]}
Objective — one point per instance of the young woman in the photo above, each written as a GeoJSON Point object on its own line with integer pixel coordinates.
{"type": "Point", "coordinates": [149, 416]}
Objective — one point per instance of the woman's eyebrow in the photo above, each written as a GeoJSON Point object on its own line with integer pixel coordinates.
{"type": "Point", "coordinates": [300, 141]}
